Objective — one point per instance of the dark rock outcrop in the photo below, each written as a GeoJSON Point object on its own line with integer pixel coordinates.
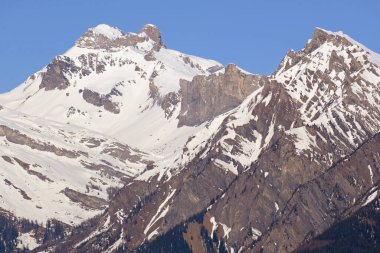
{"type": "Point", "coordinates": [168, 102]}
{"type": "Point", "coordinates": [54, 77]}
{"type": "Point", "coordinates": [357, 233]}
{"type": "Point", "coordinates": [16, 137]}
{"type": "Point", "coordinates": [94, 98]}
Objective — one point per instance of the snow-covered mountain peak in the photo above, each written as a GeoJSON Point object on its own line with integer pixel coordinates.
{"type": "Point", "coordinates": [107, 31]}
{"type": "Point", "coordinates": [322, 36]}
{"type": "Point", "coordinates": [333, 77]}
{"type": "Point", "coordinates": [324, 48]}
{"type": "Point", "coordinates": [116, 86]}
{"type": "Point", "coordinates": [341, 41]}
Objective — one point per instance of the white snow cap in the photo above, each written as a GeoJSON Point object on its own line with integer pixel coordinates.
{"type": "Point", "coordinates": [107, 31]}
{"type": "Point", "coordinates": [151, 25]}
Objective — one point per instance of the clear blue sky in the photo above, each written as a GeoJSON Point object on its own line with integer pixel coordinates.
{"type": "Point", "coordinates": [253, 34]}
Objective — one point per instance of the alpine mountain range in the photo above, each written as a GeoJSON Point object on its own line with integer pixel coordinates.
{"type": "Point", "coordinates": [123, 145]}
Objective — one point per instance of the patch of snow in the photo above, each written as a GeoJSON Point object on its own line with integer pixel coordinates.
{"type": "Point", "coordinates": [214, 226]}
{"type": "Point", "coordinates": [226, 230]}
{"type": "Point", "coordinates": [120, 216]}
{"type": "Point", "coordinates": [227, 166]}
{"type": "Point", "coordinates": [151, 235]}
{"type": "Point", "coordinates": [267, 99]}
{"type": "Point", "coordinates": [276, 206]}
{"type": "Point", "coordinates": [255, 233]}
{"type": "Point", "coordinates": [160, 212]}
{"type": "Point", "coordinates": [27, 240]}
{"type": "Point", "coordinates": [370, 173]}
{"type": "Point", "coordinates": [370, 198]}
{"type": "Point", "coordinates": [304, 140]}
{"type": "Point", "coordinates": [270, 132]}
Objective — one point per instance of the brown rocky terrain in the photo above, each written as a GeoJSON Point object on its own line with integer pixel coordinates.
{"type": "Point", "coordinates": [206, 97]}
{"type": "Point", "coordinates": [97, 99]}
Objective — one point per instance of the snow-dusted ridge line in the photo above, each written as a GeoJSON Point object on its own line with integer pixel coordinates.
{"type": "Point", "coordinates": [374, 57]}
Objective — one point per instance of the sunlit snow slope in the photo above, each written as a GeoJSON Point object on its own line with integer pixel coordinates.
{"type": "Point", "coordinates": [124, 85]}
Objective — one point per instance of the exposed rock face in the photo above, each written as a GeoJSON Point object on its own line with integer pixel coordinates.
{"type": "Point", "coordinates": [26, 166]}
{"type": "Point", "coordinates": [168, 102]}
{"type": "Point", "coordinates": [321, 36]}
{"type": "Point", "coordinates": [106, 37]}
{"type": "Point", "coordinates": [124, 153]}
{"type": "Point", "coordinates": [319, 203]}
{"type": "Point", "coordinates": [98, 40]}
{"type": "Point", "coordinates": [54, 77]}
{"type": "Point", "coordinates": [97, 99]}
{"type": "Point", "coordinates": [21, 191]}
{"type": "Point", "coordinates": [87, 201]}
{"type": "Point", "coordinates": [356, 233]}
{"type": "Point", "coordinates": [91, 63]}
{"type": "Point", "coordinates": [208, 96]}
{"type": "Point", "coordinates": [154, 34]}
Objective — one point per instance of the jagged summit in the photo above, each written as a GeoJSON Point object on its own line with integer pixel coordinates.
{"type": "Point", "coordinates": [321, 36]}
{"type": "Point", "coordinates": [104, 36]}
{"type": "Point", "coordinates": [153, 33]}
{"type": "Point", "coordinates": [340, 39]}
{"type": "Point", "coordinates": [326, 43]}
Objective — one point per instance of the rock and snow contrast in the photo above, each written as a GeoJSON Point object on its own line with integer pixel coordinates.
{"type": "Point", "coordinates": [127, 145]}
